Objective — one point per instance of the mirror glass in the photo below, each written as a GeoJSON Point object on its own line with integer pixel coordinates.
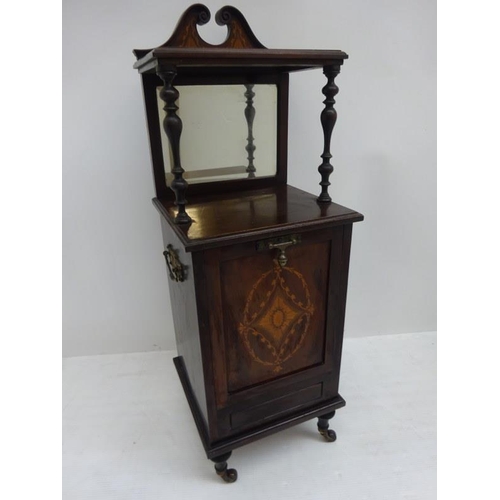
{"type": "Point", "coordinates": [228, 132]}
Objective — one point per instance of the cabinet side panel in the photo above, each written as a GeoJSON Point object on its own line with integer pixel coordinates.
{"type": "Point", "coordinates": [185, 315]}
{"type": "Point", "coordinates": [340, 303]}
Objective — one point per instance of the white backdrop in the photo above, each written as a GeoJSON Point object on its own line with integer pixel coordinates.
{"type": "Point", "coordinates": [114, 278]}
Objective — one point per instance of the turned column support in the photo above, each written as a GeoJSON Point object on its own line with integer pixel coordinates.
{"type": "Point", "coordinates": [172, 125]}
{"type": "Point", "coordinates": [328, 119]}
{"type": "Point", "coordinates": [250, 115]}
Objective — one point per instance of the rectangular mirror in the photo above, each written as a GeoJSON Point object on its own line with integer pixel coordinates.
{"type": "Point", "coordinates": [228, 132]}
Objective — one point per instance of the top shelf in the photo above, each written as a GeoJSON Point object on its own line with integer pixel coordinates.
{"type": "Point", "coordinates": [281, 59]}
{"type": "Point", "coordinates": [241, 51]}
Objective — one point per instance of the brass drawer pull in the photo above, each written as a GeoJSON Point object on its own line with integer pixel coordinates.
{"type": "Point", "coordinates": [280, 244]}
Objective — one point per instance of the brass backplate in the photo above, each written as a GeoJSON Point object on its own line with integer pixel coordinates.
{"type": "Point", "coordinates": [176, 269]}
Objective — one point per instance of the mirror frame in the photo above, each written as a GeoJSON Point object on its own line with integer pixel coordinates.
{"type": "Point", "coordinates": [151, 81]}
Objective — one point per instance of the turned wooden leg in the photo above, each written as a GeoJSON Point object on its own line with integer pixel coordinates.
{"type": "Point", "coordinates": [323, 425]}
{"type": "Point", "coordinates": [228, 475]}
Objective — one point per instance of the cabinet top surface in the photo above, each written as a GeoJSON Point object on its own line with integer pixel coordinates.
{"type": "Point", "coordinates": [244, 216]}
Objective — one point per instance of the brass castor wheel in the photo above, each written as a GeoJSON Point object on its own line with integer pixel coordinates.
{"type": "Point", "coordinates": [328, 434]}
{"type": "Point", "coordinates": [323, 429]}
{"type": "Point", "coordinates": [227, 475]}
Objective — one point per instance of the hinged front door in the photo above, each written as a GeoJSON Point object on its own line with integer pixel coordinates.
{"type": "Point", "coordinates": [272, 323]}
{"type": "Point", "coordinates": [274, 311]}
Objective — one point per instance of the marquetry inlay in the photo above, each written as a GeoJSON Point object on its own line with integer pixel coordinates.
{"type": "Point", "coordinates": [274, 327]}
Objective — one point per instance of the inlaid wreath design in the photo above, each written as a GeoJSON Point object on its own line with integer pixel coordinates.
{"type": "Point", "coordinates": [276, 317]}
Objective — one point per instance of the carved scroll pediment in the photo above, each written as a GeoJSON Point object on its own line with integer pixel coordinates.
{"type": "Point", "coordinates": [239, 33]}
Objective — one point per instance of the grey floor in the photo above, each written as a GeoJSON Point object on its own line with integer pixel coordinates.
{"type": "Point", "coordinates": [128, 432]}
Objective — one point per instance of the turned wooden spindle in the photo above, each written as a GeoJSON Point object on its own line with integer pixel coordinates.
{"type": "Point", "coordinates": [328, 119]}
{"type": "Point", "coordinates": [250, 115]}
{"type": "Point", "coordinates": [172, 125]}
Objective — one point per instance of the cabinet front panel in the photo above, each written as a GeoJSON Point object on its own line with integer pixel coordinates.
{"type": "Point", "coordinates": [274, 317]}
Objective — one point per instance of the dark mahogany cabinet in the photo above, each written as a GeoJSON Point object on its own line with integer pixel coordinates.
{"type": "Point", "coordinates": [257, 269]}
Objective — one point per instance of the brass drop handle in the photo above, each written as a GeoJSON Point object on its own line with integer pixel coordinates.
{"type": "Point", "coordinates": [282, 246]}
{"type": "Point", "coordinates": [176, 269]}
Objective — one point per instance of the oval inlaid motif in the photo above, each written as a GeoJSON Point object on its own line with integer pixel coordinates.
{"type": "Point", "coordinates": [276, 318]}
